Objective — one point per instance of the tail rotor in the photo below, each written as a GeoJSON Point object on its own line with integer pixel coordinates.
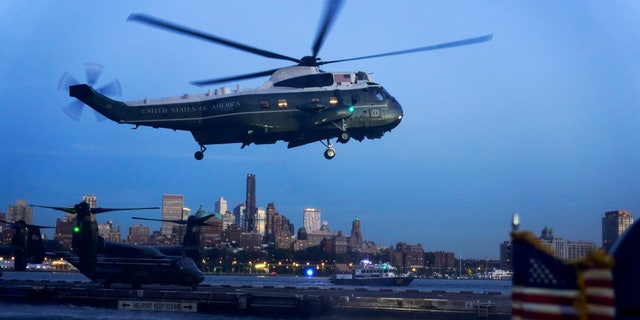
{"type": "Point", "coordinates": [92, 72]}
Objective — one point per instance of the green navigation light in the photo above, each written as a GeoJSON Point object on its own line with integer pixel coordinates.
{"type": "Point", "coordinates": [76, 229]}
{"type": "Point", "coordinates": [351, 109]}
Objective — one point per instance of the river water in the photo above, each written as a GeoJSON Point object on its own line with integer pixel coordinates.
{"type": "Point", "coordinates": [31, 312]}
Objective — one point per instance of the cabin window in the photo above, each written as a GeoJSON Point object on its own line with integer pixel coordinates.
{"type": "Point", "coordinates": [264, 104]}
{"type": "Point", "coordinates": [315, 99]}
{"type": "Point", "coordinates": [333, 101]}
{"type": "Point", "coordinates": [282, 103]}
{"type": "Point", "coordinates": [311, 80]}
{"type": "Point", "coordinates": [355, 99]}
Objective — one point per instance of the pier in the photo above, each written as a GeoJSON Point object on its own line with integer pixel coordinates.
{"type": "Point", "coordinates": [265, 301]}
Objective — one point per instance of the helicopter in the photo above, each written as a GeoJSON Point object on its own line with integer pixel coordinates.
{"type": "Point", "coordinates": [107, 262]}
{"type": "Point", "coordinates": [26, 245]}
{"type": "Point", "coordinates": [192, 245]}
{"type": "Point", "coordinates": [299, 104]}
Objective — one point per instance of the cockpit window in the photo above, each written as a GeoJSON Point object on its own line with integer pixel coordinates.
{"type": "Point", "coordinates": [312, 80]}
{"type": "Point", "coordinates": [377, 94]}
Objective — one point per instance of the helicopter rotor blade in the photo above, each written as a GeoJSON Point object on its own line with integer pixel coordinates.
{"type": "Point", "coordinates": [331, 11]}
{"type": "Point", "coordinates": [446, 45]}
{"type": "Point", "coordinates": [103, 210]}
{"type": "Point", "coordinates": [163, 24]}
{"type": "Point", "coordinates": [112, 88]}
{"type": "Point", "coordinates": [74, 110]}
{"type": "Point", "coordinates": [233, 78]}
{"type": "Point", "coordinates": [93, 71]}
{"type": "Point", "coordinates": [66, 81]}
{"type": "Point", "coordinates": [162, 220]}
{"type": "Point", "coordinates": [63, 209]}
{"type": "Point", "coordinates": [22, 224]}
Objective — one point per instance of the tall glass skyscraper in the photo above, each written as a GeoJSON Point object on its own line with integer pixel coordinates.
{"type": "Point", "coordinates": [614, 224]}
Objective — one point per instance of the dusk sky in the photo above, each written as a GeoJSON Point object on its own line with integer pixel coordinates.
{"type": "Point", "coordinates": [543, 120]}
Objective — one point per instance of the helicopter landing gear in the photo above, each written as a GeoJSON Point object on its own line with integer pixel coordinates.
{"type": "Point", "coordinates": [344, 137]}
{"type": "Point", "coordinates": [200, 154]}
{"type": "Point", "coordinates": [330, 152]}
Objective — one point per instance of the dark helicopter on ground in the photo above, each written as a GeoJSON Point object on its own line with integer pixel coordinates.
{"type": "Point", "coordinates": [192, 245]}
{"type": "Point", "coordinates": [26, 245]}
{"type": "Point", "coordinates": [109, 262]}
{"type": "Point", "coordinates": [299, 104]}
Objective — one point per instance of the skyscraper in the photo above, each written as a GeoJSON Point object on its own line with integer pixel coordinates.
{"type": "Point", "coordinates": [239, 211]}
{"type": "Point", "coordinates": [250, 203]}
{"type": "Point", "coordinates": [356, 240]}
{"type": "Point", "coordinates": [614, 225]}
{"type": "Point", "coordinates": [261, 221]}
{"type": "Point", "coordinates": [92, 201]}
{"type": "Point", "coordinates": [311, 220]}
{"type": "Point", "coordinates": [221, 206]}
{"type": "Point", "coordinates": [20, 211]}
{"type": "Point", "coordinates": [172, 205]}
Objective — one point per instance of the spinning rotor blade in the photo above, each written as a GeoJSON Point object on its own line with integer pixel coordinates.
{"type": "Point", "coordinates": [63, 209]}
{"type": "Point", "coordinates": [458, 43]}
{"type": "Point", "coordinates": [143, 18]}
{"type": "Point", "coordinates": [232, 78]}
{"type": "Point", "coordinates": [331, 11]}
{"type": "Point", "coordinates": [93, 71]}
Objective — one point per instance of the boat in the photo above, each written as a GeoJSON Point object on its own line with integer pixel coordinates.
{"type": "Point", "coordinates": [369, 274]}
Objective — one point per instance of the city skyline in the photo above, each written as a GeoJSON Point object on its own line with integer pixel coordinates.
{"type": "Point", "coordinates": [314, 214]}
{"type": "Point", "coordinates": [541, 120]}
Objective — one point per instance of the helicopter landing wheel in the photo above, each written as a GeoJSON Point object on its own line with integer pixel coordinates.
{"type": "Point", "coordinates": [199, 155]}
{"type": "Point", "coordinates": [329, 153]}
{"type": "Point", "coordinates": [344, 137]}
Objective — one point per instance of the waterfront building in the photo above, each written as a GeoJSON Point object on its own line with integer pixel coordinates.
{"type": "Point", "coordinates": [92, 201]}
{"type": "Point", "coordinates": [221, 206]}
{"type": "Point", "coordinates": [506, 255]}
{"type": "Point", "coordinates": [172, 209]}
{"type": "Point", "coordinates": [339, 243]}
{"type": "Point", "coordinates": [250, 241]}
{"type": "Point", "coordinates": [64, 230]}
{"type": "Point", "coordinates": [440, 261]}
{"type": "Point", "coordinates": [356, 241]}
{"type": "Point", "coordinates": [250, 203]}
{"type": "Point", "coordinates": [212, 232]}
{"type": "Point", "coordinates": [408, 256]}
{"type": "Point", "coordinates": [614, 224]}
{"type": "Point", "coordinates": [20, 211]}
{"type": "Point", "coordinates": [565, 249]}
{"type": "Point", "coordinates": [227, 219]}
{"type": "Point", "coordinates": [311, 219]}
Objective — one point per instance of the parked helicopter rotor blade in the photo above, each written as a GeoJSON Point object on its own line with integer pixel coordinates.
{"type": "Point", "coordinates": [103, 210]}
{"type": "Point", "coordinates": [21, 224]}
{"type": "Point", "coordinates": [152, 21]}
{"type": "Point", "coordinates": [446, 45]}
{"type": "Point", "coordinates": [74, 210]}
{"type": "Point", "coordinates": [233, 78]}
{"type": "Point", "coordinates": [162, 220]}
{"type": "Point", "coordinates": [331, 11]}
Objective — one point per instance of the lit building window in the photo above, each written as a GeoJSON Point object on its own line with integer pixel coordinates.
{"type": "Point", "coordinates": [282, 103]}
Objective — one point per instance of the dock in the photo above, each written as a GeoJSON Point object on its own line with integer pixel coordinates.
{"type": "Point", "coordinates": [266, 301]}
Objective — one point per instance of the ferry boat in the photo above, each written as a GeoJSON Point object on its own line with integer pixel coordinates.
{"type": "Point", "coordinates": [369, 274]}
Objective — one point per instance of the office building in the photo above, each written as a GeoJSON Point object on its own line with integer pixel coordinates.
{"type": "Point", "coordinates": [20, 211]}
{"type": "Point", "coordinates": [221, 206]}
{"type": "Point", "coordinates": [239, 212]}
{"type": "Point", "coordinates": [614, 224]}
{"type": "Point", "coordinates": [565, 249]}
{"type": "Point", "coordinates": [356, 241]}
{"type": "Point", "coordinates": [172, 205]}
{"type": "Point", "coordinates": [250, 203]}
{"type": "Point", "coordinates": [311, 220]}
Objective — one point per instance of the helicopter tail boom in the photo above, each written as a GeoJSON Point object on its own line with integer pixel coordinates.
{"type": "Point", "coordinates": [97, 101]}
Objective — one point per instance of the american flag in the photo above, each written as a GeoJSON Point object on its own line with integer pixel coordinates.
{"type": "Point", "coordinates": [545, 287]}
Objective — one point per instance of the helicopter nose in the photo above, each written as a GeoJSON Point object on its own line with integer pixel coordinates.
{"type": "Point", "coordinates": [395, 110]}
